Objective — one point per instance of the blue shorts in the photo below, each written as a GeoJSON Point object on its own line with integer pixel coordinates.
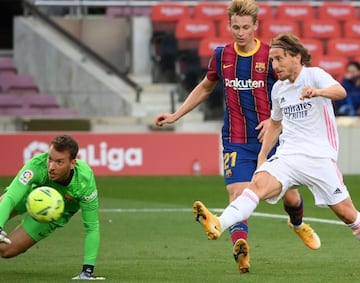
{"type": "Point", "coordinates": [240, 162]}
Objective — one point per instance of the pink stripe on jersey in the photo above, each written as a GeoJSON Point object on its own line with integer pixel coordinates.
{"type": "Point", "coordinates": [338, 173]}
{"type": "Point", "coordinates": [330, 129]}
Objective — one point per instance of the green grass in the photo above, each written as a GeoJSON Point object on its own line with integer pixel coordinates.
{"type": "Point", "coordinates": [154, 247]}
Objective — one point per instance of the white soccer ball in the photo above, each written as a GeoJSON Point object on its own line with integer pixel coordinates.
{"type": "Point", "coordinates": [45, 204]}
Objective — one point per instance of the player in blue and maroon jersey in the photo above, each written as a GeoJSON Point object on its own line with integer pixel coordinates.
{"type": "Point", "coordinates": [245, 71]}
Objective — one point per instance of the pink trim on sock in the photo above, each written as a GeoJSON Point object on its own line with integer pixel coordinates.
{"type": "Point", "coordinates": [251, 196]}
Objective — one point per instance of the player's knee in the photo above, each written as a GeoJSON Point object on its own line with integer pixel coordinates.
{"type": "Point", "coordinates": [292, 198]}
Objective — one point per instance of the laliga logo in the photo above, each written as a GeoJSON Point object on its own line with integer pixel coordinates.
{"type": "Point", "coordinates": [33, 149]}
{"type": "Point", "coordinates": [113, 158]}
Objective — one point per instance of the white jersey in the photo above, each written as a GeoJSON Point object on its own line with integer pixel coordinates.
{"type": "Point", "coordinates": [308, 126]}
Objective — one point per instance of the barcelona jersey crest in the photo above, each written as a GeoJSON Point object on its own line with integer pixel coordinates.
{"type": "Point", "coordinates": [260, 67]}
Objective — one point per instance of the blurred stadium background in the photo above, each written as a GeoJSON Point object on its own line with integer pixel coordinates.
{"type": "Point", "coordinates": [95, 66]}
{"type": "Point", "coordinates": [101, 71]}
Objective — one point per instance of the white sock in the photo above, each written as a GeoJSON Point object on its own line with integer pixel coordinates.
{"type": "Point", "coordinates": [239, 209]}
{"type": "Point", "coordinates": [356, 225]}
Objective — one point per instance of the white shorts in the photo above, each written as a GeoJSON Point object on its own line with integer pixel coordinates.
{"type": "Point", "coordinates": [320, 175]}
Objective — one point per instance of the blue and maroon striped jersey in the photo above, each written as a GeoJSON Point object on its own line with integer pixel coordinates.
{"type": "Point", "coordinates": [247, 81]}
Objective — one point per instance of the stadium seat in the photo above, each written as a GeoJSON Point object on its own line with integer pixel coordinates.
{"type": "Point", "coordinates": [347, 47]}
{"type": "Point", "coordinates": [7, 65]}
{"type": "Point", "coordinates": [189, 32]}
{"type": "Point", "coordinates": [18, 84]}
{"type": "Point", "coordinates": [61, 111]}
{"type": "Point", "coordinates": [10, 101]}
{"type": "Point", "coordinates": [314, 46]}
{"type": "Point", "coordinates": [40, 101]}
{"type": "Point", "coordinates": [207, 47]}
{"type": "Point", "coordinates": [19, 112]}
{"type": "Point", "coordinates": [352, 29]}
{"type": "Point", "coordinates": [335, 65]}
{"type": "Point", "coordinates": [164, 16]}
{"type": "Point", "coordinates": [265, 11]}
{"type": "Point", "coordinates": [293, 11]}
{"type": "Point", "coordinates": [214, 11]}
{"type": "Point", "coordinates": [340, 11]}
{"type": "Point", "coordinates": [321, 29]}
{"type": "Point", "coordinates": [163, 45]}
{"type": "Point", "coordinates": [114, 12]}
{"type": "Point", "coordinates": [266, 40]}
{"type": "Point", "coordinates": [271, 28]}
{"type": "Point", "coordinates": [223, 30]}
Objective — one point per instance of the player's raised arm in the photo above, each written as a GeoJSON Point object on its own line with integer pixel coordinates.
{"type": "Point", "coordinates": [196, 97]}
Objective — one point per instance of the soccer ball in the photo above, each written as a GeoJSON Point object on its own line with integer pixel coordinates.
{"type": "Point", "coordinates": [45, 204]}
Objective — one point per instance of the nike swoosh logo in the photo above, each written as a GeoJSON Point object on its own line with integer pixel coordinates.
{"type": "Point", "coordinates": [227, 66]}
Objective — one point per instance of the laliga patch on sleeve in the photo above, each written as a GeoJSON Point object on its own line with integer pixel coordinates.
{"type": "Point", "coordinates": [92, 196]}
{"type": "Point", "coordinates": [26, 176]}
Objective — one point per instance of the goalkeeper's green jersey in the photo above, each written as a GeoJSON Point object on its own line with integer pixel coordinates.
{"type": "Point", "coordinates": [80, 193]}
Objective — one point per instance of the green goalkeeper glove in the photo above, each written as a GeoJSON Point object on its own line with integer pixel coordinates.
{"type": "Point", "coordinates": [3, 237]}
{"type": "Point", "coordinates": [87, 274]}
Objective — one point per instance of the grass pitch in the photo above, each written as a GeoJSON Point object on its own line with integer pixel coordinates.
{"type": "Point", "coordinates": [148, 234]}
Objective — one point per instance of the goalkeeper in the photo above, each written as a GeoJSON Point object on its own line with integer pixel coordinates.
{"type": "Point", "coordinates": [75, 181]}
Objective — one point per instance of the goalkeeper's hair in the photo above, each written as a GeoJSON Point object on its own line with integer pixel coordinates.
{"type": "Point", "coordinates": [292, 45]}
{"type": "Point", "coordinates": [66, 143]}
{"type": "Point", "coordinates": [243, 8]}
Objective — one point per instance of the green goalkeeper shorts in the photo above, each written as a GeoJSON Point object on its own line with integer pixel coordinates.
{"type": "Point", "coordinates": [36, 230]}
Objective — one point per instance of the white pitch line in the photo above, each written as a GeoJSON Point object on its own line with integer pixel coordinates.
{"type": "Point", "coordinates": [219, 210]}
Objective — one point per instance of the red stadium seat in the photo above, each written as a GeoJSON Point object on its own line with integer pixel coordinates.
{"type": "Point", "coordinates": [266, 40]}
{"type": "Point", "coordinates": [271, 28]}
{"type": "Point", "coordinates": [7, 65]}
{"type": "Point", "coordinates": [224, 29]}
{"type": "Point", "coordinates": [265, 11]}
{"type": "Point", "coordinates": [334, 65]}
{"type": "Point", "coordinates": [352, 29]}
{"type": "Point", "coordinates": [336, 11]}
{"type": "Point", "coordinates": [214, 11]}
{"type": "Point", "coordinates": [344, 47]}
{"type": "Point", "coordinates": [210, 10]}
{"type": "Point", "coordinates": [295, 11]}
{"type": "Point", "coordinates": [314, 46]}
{"type": "Point", "coordinates": [18, 84]}
{"type": "Point", "coordinates": [321, 29]}
{"type": "Point", "coordinates": [190, 31]}
{"type": "Point", "coordinates": [207, 47]}
{"type": "Point", "coordinates": [164, 16]}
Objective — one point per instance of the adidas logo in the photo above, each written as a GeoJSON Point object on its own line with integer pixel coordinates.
{"type": "Point", "coordinates": [337, 191]}
{"type": "Point", "coordinates": [282, 100]}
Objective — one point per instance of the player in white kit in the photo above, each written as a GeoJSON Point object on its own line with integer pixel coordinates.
{"type": "Point", "coordinates": [303, 120]}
